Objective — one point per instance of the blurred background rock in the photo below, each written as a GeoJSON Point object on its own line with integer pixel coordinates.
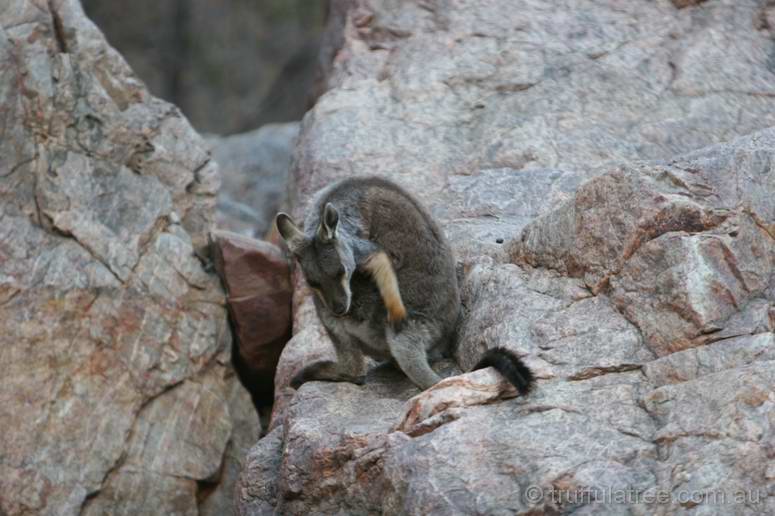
{"type": "Point", "coordinates": [242, 68]}
{"type": "Point", "coordinates": [229, 65]}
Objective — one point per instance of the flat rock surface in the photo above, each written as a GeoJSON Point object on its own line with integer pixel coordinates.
{"type": "Point", "coordinates": [118, 395]}
{"type": "Point", "coordinates": [598, 170]}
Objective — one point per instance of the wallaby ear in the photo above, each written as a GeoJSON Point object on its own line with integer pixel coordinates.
{"type": "Point", "coordinates": [327, 229]}
{"type": "Point", "coordinates": [292, 235]}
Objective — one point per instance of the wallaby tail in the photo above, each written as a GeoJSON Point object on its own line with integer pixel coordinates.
{"type": "Point", "coordinates": [510, 366]}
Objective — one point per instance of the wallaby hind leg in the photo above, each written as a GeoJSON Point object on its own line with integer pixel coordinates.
{"type": "Point", "coordinates": [408, 348]}
{"type": "Point", "coordinates": [350, 366]}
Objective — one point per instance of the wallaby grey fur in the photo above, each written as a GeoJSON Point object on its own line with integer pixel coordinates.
{"type": "Point", "coordinates": [385, 284]}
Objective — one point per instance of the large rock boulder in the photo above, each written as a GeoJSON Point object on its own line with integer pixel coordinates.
{"type": "Point", "coordinates": [118, 394]}
{"type": "Point", "coordinates": [640, 292]}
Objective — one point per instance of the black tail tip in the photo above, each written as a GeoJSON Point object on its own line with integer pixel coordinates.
{"type": "Point", "coordinates": [510, 366]}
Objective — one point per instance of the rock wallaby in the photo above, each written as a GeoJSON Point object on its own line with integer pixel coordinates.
{"type": "Point", "coordinates": [384, 281]}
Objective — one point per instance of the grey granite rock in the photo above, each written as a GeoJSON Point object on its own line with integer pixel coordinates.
{"type": "Point", "coordinates": [257, 488]}
{"type": "Point", "coordinates": [693, 248]}
{"type": "Point", "coordinates": [254, 167]}
{"type": "Point", "coordinates": [118, 394]}
{"type": "Point", "coordinates": [641, 292]}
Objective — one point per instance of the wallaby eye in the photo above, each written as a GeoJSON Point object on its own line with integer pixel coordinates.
{"type": "Point", "coordinates": [340, 274]}
{"type": "Point", "coordinates": [313, 284]}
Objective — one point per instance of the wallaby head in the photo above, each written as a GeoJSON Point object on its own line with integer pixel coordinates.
{"type": "Point", "coordinates": [325, 256]}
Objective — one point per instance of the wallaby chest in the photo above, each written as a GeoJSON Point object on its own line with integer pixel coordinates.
{"type": "Point", "coordinates": [370, 339]}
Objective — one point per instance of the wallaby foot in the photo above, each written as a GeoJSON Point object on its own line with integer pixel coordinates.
{"type": "Point", "coordinates": [325, 370]}
{"type": "Point", "coordinates": [408, 350]}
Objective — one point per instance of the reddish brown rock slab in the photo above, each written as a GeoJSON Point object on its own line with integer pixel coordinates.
{"type": "Point", "coordinates": [256, 276]}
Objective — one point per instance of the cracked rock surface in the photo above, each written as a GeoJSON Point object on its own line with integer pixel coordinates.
{"type": "Point", "coordinates": [117, 392]}
{"type": "Point", "coordinates": [605, 174]}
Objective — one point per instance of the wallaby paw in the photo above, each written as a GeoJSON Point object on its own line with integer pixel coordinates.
{"type": "Point", "coordinates": [309, 373]}
{"type": "Point", "coordinates": [396, 316]}
{"type": "Point", "coordinates": [446, 401]}
{"type": "Point", "coordinates": [397, 325]}
{"type": "Point", "coordinates": [297, 380]}
{"type": "Point", "coordinates": [324, 371]}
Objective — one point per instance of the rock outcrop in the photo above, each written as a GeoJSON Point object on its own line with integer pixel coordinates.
{"type": "Point", "coordinates": [117, 392]}
{"type": "Point", "coordinates": [558, 144]}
